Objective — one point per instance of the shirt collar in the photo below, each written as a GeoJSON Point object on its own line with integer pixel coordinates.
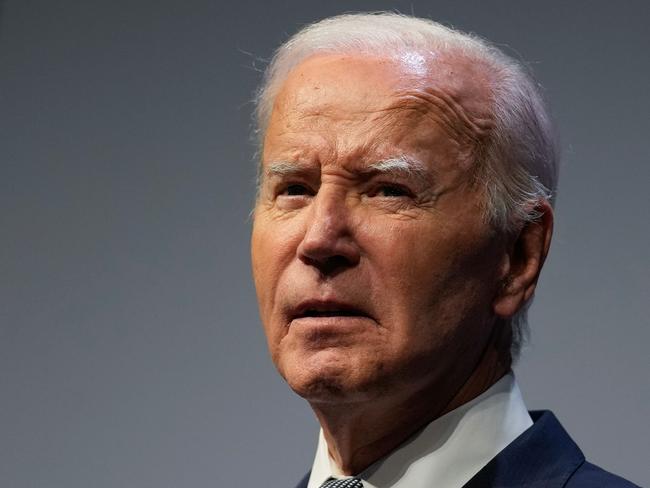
{"type": "Point", "coordinates": [466, 438]}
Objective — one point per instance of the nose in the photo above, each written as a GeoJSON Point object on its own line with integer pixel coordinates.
{"type": "Point", "coordinates": [328, 243]}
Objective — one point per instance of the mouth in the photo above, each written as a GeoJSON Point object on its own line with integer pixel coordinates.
{"type": "Point", "coordinates": [314, 308]}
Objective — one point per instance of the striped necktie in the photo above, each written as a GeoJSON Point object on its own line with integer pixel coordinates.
{"type": "Point", "coordinates": [344, 483]}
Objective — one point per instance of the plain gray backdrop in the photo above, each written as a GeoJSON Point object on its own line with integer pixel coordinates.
{"type": "Point", "coordinates": [131, 353]}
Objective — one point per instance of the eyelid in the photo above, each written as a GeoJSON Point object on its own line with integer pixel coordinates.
{"type": "Point", "coordinates": [282, 186]}
{"type": "Point", "coordinates": [378, 185]}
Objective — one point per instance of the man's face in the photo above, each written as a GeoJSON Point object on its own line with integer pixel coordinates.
{"type": "Point", "coordinates": [374, 268]}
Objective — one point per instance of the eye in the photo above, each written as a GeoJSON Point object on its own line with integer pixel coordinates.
{"type": "Point", "coordinates": [394, 191]}
{"type": "Point", "coordinates": [295, 190]}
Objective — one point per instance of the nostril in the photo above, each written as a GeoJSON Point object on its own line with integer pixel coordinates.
{"type": "Point", "coordinates": [329, 265]}
{"type": "Point", "coordinates": [333, 263]}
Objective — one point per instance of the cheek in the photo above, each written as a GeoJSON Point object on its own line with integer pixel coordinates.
{"type": "Point", "coordinates": [263, 248]}
{"type": "Point", "coordinates": [428, 270]}
{"type": "Point", "coordinates": [265, 275]}
{"type": "Point", "coordinates": [409, 256]}
{"type": "Point", "coordinates": [273, 246]}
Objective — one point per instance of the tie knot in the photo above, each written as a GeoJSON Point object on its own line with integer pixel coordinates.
{"type": "Point", "coordinates": [344, 483]}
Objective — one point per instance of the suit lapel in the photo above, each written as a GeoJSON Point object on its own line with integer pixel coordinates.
{"type": "Point", "coordinates": [544, 456]}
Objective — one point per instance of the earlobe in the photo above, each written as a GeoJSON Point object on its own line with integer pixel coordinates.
{"type": "Point", "coordinates": [524, 263]}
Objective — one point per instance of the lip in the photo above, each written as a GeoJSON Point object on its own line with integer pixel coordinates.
{"type": "Point", "coordinates": [331, 310]}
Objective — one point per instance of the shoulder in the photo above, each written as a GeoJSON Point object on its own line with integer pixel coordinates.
{"type": "Point", "coordinates": [589, 476]}
{"type": "Point", "coordinates": [544, 456]}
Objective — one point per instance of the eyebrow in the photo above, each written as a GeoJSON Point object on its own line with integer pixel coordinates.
{"type": "Point", "coordinates": [283, 168]}
{"type": "Point", "coordinates": [400, 166]}
{"type": "Point", "coordinates": [396, 166]}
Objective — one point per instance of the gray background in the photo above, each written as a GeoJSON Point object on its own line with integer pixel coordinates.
{"type": "Point", "coordinates": [130, 348]}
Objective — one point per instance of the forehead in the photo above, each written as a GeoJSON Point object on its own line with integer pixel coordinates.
{"type": "Point", "coordinates": [327, 82]}
{"type": "Point", "coordinates": [334, 98]}
{"type": "Point", "coordinates": [379, 76]}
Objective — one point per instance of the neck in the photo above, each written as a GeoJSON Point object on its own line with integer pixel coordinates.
{"type": "Point", "coordinates": [358, 434]}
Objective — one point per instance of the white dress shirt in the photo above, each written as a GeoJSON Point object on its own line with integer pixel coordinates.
{"type": "Point", "coordinates": [449, 451]}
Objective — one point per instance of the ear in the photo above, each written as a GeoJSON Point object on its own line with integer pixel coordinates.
{"type": "Point", "coordinates": [523, 263]}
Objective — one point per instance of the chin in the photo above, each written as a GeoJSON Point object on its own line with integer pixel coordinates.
{"type": "Point", "coordinates": [322, 390]}
{"type": "Point", "coordinates": [327, 377]}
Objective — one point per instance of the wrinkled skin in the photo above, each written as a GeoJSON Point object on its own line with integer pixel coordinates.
{"type": "Point", "coordinates": [407, 257]}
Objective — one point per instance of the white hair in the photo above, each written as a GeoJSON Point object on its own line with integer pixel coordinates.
{"type": "Point", "coordinates": [517, 161]}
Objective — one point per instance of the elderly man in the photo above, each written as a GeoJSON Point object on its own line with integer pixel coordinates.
{"type": "Point", "coordinates": [402, 220]}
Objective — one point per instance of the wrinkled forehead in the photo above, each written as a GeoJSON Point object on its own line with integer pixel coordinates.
{"type": "Point", "coordinates": [364, 106]}
{"type": "Point", "coordinates": [370, 81]}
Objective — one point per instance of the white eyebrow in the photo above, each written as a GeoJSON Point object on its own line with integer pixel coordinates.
{"type": "Point", "coordinates": [282, 168]}
{"type": "Point", "coordinates": [401, 165]}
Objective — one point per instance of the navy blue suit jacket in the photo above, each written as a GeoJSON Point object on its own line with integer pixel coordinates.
{"type": "Point", "coordinates": [544, 456]}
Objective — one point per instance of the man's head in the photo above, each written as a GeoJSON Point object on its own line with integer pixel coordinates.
{"type": "Point", "coordinates": [403, 210]}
